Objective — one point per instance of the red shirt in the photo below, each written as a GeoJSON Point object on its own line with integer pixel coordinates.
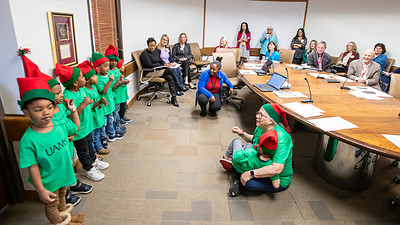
{"type": "Point", "coordinates": [214, 85]}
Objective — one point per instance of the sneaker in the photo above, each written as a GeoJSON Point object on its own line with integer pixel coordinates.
{"type": "Point", "coordinates": [226, 163]}
{"type": "Point", "coordinates": [127, 120]}
{"type": "Point", "coordinates": [112, 138]}
{"type": "Point", "coordinates": [119, 136]}
{"type": "Point", "coordinates": [103, 151]}
{"type": "Point", "coordinates": [104, 142]}
{"type": "Point", "coordinates": [71, 199]}
{"type": "Point", "coordinates": [95, 174]}
{"type": "Point", "coordinates": [123, 122]}
{"type": "Point", "coordinates": [100, 164]}
{"type": "Point", "coordinates": [235, 189]}
{"type": "Point", "coordinates": [81, 188]}
{"type": "Point", "coordinates": [121, 130]}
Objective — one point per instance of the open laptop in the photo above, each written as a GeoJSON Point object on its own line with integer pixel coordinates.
{"type": "Point", "coordinates": [264, 70]}
{"type": "Point", "coordinates": [274, 83]}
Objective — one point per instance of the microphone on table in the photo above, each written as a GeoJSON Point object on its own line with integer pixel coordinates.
{"type": "Point", "coordinates": [287, 74]}
{"type": "Point", "coordinates": [318, 77]}
{"type": "Point", "coordinates": [343, 87]}
{"type": "Point", "coordinates": [310, 100]}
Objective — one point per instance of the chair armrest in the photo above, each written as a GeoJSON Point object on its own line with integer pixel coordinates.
{"type": "Point", "coordinates": [149, 70]}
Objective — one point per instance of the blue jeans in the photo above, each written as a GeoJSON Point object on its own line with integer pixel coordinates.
{"type": "Point", "coordinates": [178, 75]}
{"type": "Point", "coordinates": [117, 127]}
{"type": "Point", "coordinates": [96, 139]}
{"type": "Point", "coordinates": [259, 184]}
{"type": "Point", "coordinates": [110, 125]}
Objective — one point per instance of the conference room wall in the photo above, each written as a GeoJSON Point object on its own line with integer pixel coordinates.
{"type": "Point", "coordinates": [28, 27]}
{"type": "Point", "coordinates": [223, 18]}
{"type": "Point", "coordinates": [364, 21]}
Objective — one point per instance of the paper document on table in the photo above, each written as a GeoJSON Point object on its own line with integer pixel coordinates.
{"type": "Point", "coordinates": [320, 75]}
{"type": "Point", "coordinates": [252, 65]}
{"type": "Point", "coordinates": [305, 66]}
{"type": "Point", "coordinates": [333, 123]}
{"type": "Point", "coordinates": [247, 72]}
{"type": "Point", "coordinates": [370, 90]}
{"type": "Point", "coordinates": [395, 139]}
{"type": "Point", "coordinates": [305, 110]}
{"type": "Point", "coordinates": [176, 66]}
{"type": "Point", "coordinates": [343, 79]}
{"type": "Point", "coordinates": [366, 95]}
{"type": "Point", "coordinates": [289, 94]}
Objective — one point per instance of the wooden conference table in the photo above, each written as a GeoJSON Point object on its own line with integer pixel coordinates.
{"type": "Point", "coordinates": [373, 117]}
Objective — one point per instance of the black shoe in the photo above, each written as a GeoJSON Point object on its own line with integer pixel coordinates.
{"type": "Point", "coordinates": [81, 188]}
{"type": "Point", "coordinates": [212, 113]}
{"type": "Point", "coordinates": [72, 199]}
{"type": "Point", "coordinates": [235, 189]}
{"type": "Point", "coordinates": [179, 93]}
{"type": "Point", "coordinates": [182, 88]}
{"type": "Point", "coordinates": [127, 120]}
{"type": "Point", "coordinates": [123, 122]}
{"type": "Point", "coordinates": [203, 113]}
{"type": "Point", "coordinates": [104, 142]}
{"type": "Point", "coordinates": [173, 101]}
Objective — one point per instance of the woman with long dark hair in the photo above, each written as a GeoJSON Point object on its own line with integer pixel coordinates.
{"type": "Point", "coordinates": [243, 40]}
{"type": "Point", "coordinates": [298, 44]}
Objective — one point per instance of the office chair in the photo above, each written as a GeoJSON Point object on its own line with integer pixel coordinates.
{"type": "Point", "coordinates": [235, 51]}
{"type": "Point", "coordinates": [286, 55]}
{"type": "Point", "coordinates": [197, 61]}
{"type": "Point", "coordinates": [153, 78]}
{"type": "Point", "coordinates": [394, 202]}
{"type": "Point", "coordinates": [232, 72]}
{"type": "Point", "coordinates": [389, 65]}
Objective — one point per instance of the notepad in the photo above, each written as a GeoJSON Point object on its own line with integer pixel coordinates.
{"type": "Point", "coordinates": [247, 72]}
{"type": "Point", "coordinates": [289, 94]}
{"type": "Point", "coordinates": [305, 110]}
{"type": "Point", "coordinates": [333, 123]}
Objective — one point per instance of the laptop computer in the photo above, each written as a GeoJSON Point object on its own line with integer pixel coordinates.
{"type": "Point", "coordinates": [264, 70]}
{"type": "Point", "coordinates": [274, 83]}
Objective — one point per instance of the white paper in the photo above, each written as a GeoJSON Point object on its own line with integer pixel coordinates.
{"type": "Point", "coordinates": [320, 75]}
{"type": "Point", "coordinates": [371, 89]}
{"type": "Point", "coordinates": [333, 123]}
{"type": "Point", "coordinates": [176, 66]}
{"type": "Point", "coordinates": [247, 72]}
{"type": "Point", "coordinates": [252, 65]}
{"type": "Point", "coordinates": [395, 139]}
{"type": "Point", "coordinates": [305, 66]}
{"type": "Point", "coordinates": [289, 94]}
{"type": "Point", "coordinates": [361, 94]}
{"type": "Point", "coordinates": [305, 110]}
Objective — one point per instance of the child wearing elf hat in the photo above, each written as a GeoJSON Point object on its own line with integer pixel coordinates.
{"type": "Point", "coordinates": [119, 89]}
{"type": "Point", "coordinates": [97, 106]}
{"type": "Point", "coordinates": [73, 81]}
{"type": "Point", "coordinates": [122, 110]}
{"type": "Point", "coordinates": [62, 116]}
{"type": "Point", "coordinates": [103, 86]}
{"type": "Point", "coordinates": [44, 150]}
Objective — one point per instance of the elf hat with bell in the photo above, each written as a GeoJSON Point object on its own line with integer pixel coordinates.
{"type": "Point", "coordinates": [268, 143]}
{"type": "Point", "coordinates": [112, 52]}
{"type": "Point", "coordinates": [87, 69]}
{"type": "Point", "coordinates": [98, 59]}
{"type": "Point", "coordinates": [32, 70]}
{"type": "Point", "coordinates": [33, 87]}
{"type": "Point", "coordinates": [68, 75]}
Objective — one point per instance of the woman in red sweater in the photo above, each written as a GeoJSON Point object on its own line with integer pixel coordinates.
{"type": "Point", "coordinates": [243, 40]}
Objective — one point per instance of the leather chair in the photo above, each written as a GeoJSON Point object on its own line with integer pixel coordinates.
{"type": "Point", "coordinates": [232, 72]}
{"type": "Point", "coordinates": [197, 61]}
{"type": "Point", "coordinates": [153, 79]}
{"type": "Point", "coordinates": [235, 51]}
{"type": "Point", "coordinates": [395, 85]}
{"type": "Point", "coordinates": [389, 65]}
{"type": "Point", "coordinates": [286, 55]}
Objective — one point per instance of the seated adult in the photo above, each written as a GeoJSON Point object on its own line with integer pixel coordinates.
{"type": "Point", "coordinates": [223, 43]}
{"type": "Point", "coordinates": [267, 118]}
{"type": "Point", "coordinates": [210, 89]}
{"type": "Point", "coordinates": [320, 59]}
{"type": "Point", "coordinates": [272, 53]}
{"type": "Point", "coordinates": [311, 48]}
{"type": "Point", "coordinates": [150, 59]}
{"type": "Point", "coordinates": [365, 70]}
{"type": "Point", "coordinates": [164, 51]}
{"type": "Point", "coordinates": [268, 36]}
{"type": "Point", "coordinates": [381, 59]}
{"type": "Point", "coordinates": [347, 57]}
{"type": "Point", "coordinates": [182, 53]}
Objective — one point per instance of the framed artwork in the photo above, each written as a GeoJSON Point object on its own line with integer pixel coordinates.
{"type": "Point", "coordinates": [62, 34]}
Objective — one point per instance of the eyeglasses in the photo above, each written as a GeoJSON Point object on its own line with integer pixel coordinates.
{"type": "Point", "coordinates": [260, 114]}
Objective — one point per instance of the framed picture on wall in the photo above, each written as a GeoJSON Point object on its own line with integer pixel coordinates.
{"type": "Point", "coordinates": [62, 34]}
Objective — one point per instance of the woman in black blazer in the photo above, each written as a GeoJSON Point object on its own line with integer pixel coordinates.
{"type": "Point", "coordinates": [182, 54]}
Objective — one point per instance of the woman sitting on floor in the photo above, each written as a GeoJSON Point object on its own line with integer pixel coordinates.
{"type": "Point", "coordinates": [210, 88]}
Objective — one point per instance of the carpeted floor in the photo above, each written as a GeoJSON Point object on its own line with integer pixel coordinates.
{"type": "Point", "coordinates": [166, 171]}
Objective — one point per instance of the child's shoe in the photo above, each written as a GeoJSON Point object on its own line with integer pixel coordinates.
{"type": "Point", "coordinates": [81, 188]}
{"type": "Point", "coordinates": [127, 120]}
{"type": "Point", "coordinates": [95, 174]}
{"type": "Point", "coordinates": [104, 142]}
{"type": "Point", "coordinates": [103, 151]}
{"type": "Point", "coordinates": [100, 164]}
{"type": "Point", "coordinates": [71, 199]}
{"type": "Point", "coordinates": [226, 163]}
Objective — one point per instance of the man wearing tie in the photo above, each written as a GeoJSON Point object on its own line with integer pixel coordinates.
{"type": "Point", "coordinates": [320, 59]}
{"type": "Point", "coordinates": [365, 70]}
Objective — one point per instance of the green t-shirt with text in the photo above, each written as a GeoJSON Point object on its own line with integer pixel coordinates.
{"type": "Point", "coordinates": [108, 95]}
{"type": "Point", "coordinates": [98, 112]}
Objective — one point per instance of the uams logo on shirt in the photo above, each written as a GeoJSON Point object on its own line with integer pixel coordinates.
{"type": "Point", "coordinates": [51, 150]}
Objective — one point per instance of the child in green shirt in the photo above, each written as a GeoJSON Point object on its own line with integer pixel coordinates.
{"type": "Point", "coordinates": [44, 149]}
{"type": "Point", "coordinates": [124, 120]}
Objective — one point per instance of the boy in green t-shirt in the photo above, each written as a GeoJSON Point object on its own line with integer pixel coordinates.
{"type": "Point", "coordinates": [124, 120]}
{"type": "Point", "coordinates": [44, 150]}
{"type": "Point", "coordinates": [73, 81]}
{"type": "Point", "coordinates": [118, 86]}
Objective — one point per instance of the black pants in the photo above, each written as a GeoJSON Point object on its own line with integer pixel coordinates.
{"type": "Point", "coordinates": [86, 154]}
{"type": "Point", "coordinates": [261, 55]}
{"type": "Point", "coordinates": [169, 76]}
{"type": "Point", "coordinates": [122, 110]}
{"type": "Point", "coordinates": [186, 69]}
{"type": "Point", "coordinates": [214, 106]}
{"type": "Point", "coordinates": [297, 60]}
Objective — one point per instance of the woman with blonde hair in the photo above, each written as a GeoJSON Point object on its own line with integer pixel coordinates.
{"type": "Point", "coordinates": [182, 53]}
{"type": "Point", "coordinates": [268, 36]}
{"type": "Point", "coordinates": [347, 57]}
{"type": "Point", "coordinates": [223, 43]}
{"type": "Point", "coordinates": [311, 48]}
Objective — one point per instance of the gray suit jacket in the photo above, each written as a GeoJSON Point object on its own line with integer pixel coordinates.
{"type": "Point", "coordinates": [326, 61]}
{"type": "Point", "coordinates": [373, 74]}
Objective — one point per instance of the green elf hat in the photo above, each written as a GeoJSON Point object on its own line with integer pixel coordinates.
{"type": "Point", "coordinates": [68, 75]}
{"type": "Point", "coordinates": [98, 59]}
{"type": "Point", "coordinates": [268, 143]}
{"type": "Point", "coordinates": [112, 52]}
{"type": "Point", "coordinates": [120, 63]}
{"type": "Point", "coordinates": [33, 87]}
{"type": "Point", "coordinates": [87, 69]}
{"type": "Point", "coordinates": [277, 113]}
{"type": "Point", "coordinates": [32, 70]}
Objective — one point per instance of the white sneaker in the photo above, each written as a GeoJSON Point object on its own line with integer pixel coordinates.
{"type": "Point", "coordinates": [100, 164]}
{"type": "Point", "coordinates": [95, 174]}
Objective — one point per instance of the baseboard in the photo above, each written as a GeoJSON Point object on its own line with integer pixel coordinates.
{"type": "Point", "coordinates": [130, 103]}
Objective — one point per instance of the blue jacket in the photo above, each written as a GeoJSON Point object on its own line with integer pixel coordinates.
{"type": "Point", "coordinates": [264, 42]}
{"type": "Point", "coordinates": [382, 60]}
{"type": "Point", "coordinates": [203, 81]}
{"type": "Point", "coordinates": [171, 60]}
{"type": "Point", "coordinates": [274, 56]}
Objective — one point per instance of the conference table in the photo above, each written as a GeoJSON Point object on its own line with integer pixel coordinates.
{"type": "Point", "coordinates": [373, 117]}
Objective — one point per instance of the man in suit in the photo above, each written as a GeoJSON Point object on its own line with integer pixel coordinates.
{"type": "Point", "coordinates": [320, 59]}
{"type": "Point", "coordinates": [365, 70]}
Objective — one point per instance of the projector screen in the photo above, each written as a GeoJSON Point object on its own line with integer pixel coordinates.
{"type": "Point", "coordinates": [223, 19]}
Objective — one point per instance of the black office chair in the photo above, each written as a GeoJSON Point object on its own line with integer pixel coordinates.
{"type": "Point", "coordinates": [394, 202]}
